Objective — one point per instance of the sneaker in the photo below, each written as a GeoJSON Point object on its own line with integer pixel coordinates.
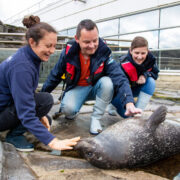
{"type": "Point", "coordinates": [20, 143]}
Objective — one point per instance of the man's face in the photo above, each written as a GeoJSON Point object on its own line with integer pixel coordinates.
{"type": "Point", "coordinates": [139, 54]}
{"type": "Point", "coordinates": [88, 41]}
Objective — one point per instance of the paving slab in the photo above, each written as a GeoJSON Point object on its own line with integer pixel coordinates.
{"type": "Point", "coordinates": [13, 166]}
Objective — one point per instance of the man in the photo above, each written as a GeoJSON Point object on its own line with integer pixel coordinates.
{"type": "Point", "coordinates": [91, 73]}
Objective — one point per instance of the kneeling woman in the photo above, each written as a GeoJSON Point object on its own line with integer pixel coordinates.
{"type": "Point", "coordinates": [140, 68]}
{"type": "Point", "coordinates": [22, 109]}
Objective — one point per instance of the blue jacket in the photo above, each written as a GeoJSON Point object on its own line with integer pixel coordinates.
{"type": "Point", "coordinates": [19, 75]}
{"type": "Point", "coordinates": [101, 64]}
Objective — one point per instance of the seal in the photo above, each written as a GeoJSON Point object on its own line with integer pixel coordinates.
{"type": "Point", "coordinates": [133, 142]}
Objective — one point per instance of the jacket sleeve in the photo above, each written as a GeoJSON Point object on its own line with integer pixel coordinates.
{"type": "Point", "coordinates": [21, 83]}
{"type": "Point", "coordinates": [153, 72]}
{"type": "Point", "coordinates": [54, 78]}
{"type": "Point", "coordinates": [120, 81]}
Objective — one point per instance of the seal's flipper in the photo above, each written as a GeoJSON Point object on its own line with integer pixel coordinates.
{"type": "Point", "coordinates": [156, 118]}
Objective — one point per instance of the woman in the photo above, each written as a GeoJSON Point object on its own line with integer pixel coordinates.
{"type": "Point", "coordinates": [22, 109]}
{"type": "Point", "coordinates": [140, 68]}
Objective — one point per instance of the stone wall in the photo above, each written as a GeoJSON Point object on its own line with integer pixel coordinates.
{"type": "Point", "coordinates": [11, 29]}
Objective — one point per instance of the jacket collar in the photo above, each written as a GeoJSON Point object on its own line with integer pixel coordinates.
{"type": "Point", "coordinates": [102, 51]}
{"type": "Point", "coordinates": [32, 55]}
{"type": "Point", "coordinates": [149, 58]}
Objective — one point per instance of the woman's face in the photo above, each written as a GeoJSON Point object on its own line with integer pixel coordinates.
{"type": "Point", "coordinates": [139, 54]}
{"type": "Point", "coordinates": [45, 47]}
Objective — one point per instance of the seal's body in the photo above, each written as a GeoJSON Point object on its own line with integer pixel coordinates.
{"type": "Point", "coordinates": [133, 142]}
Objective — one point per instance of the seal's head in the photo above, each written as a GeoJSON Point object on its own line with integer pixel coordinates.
{"type": "Point", "coordinates": [93, 152]}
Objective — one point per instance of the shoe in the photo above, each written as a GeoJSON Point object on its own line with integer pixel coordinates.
{"type": "Point", "coordinates": [95, 127]}
{"type": "Point", "coordinates": [20, 143]}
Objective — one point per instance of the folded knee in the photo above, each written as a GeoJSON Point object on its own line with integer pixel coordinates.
{"type": "Point", "coordinates": [68, 110]}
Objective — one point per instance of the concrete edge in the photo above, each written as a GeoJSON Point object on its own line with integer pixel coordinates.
{"type": "Point", "coordinates": [1, 158]}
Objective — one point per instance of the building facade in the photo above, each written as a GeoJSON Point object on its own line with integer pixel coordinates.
{"type": "Point", "coordinates": [156, 20]}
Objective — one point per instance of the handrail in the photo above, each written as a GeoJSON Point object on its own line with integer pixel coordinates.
{"type": "Point", "coordinates": [11, 34]}
{"type": "Point", "coordinates": [23, 42]}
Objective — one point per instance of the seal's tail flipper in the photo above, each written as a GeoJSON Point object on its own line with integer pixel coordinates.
{"type": "Point", "coordinates": [156, 118]}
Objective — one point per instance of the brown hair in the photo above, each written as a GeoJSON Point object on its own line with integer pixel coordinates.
{"type": "Point", "coordinates": [139, 41]}
{"type": "Point", "coordinates": [36, 29]}
{"type": "Point", "coordinates": [85, 24]}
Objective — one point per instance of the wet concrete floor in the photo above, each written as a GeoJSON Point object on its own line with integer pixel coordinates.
{"type": "Point", "coordinates": [41, 165]}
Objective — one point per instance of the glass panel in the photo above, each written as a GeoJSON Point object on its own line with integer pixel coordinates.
{"type": "Point", "coordinates": [170, 16]}
{"type": "Point", "coordinates": [45, 66]}
{"type": "Point", "coordinates": [108, 28]}
{"type": "Point", "coordinates": [72, 32]}
{"type": "Point", "coordinates": [139, 22]}
{"type": "Point", "coordinates": [63, 33]}
{"type": "Point", "coordinates": [113, 44]}
{"type": "Point", "coordinates": [151, 36]}
{"type": "Point", "coordinates": [170, 38]}
{"type": "Point", "coordinates": [5, 53]}
{"type": "Point", "coordinates": [169, 60]}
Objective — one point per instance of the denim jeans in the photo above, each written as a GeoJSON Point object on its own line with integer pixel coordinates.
{"type": "Point", "coordinates": [148, 88]}
{"type": "Point", "coordinates": [75, 98]}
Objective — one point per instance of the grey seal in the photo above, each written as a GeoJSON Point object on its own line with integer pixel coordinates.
{"type": "Point", "coordinates": [133, 142]}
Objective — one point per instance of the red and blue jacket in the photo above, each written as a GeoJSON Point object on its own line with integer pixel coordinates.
{"type": "Point", "coordinates": [101, 64]}
{"type": "Point", "coordinates": [133, 70]}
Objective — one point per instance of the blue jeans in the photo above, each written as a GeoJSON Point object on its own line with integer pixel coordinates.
{"type": "Point", "coordinates": [148, 88]}
{"type": "Point", "coordinates": [75, 98]}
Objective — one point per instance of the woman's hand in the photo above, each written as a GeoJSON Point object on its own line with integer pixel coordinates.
{"type": "Point", "coordinates": [141, 80]}
{"type": "Point", "coordinates": [45, 122]}
{"type": "Point", "coordinates": [65, 144]}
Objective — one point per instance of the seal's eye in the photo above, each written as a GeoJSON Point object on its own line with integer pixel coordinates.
{"type": "Point", "coordinates": [89, 154]}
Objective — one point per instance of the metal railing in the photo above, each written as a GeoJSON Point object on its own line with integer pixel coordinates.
{"type": "Point", "coordinates": [168, 59]}
{"type": "Point", "coordinates": [61, 40]}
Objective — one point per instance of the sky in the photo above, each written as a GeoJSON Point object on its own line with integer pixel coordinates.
{"type": "Point", "coordinates": [9, 8]}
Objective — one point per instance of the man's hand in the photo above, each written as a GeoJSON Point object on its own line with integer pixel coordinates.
{"type": "Point", "coordinates": [63, 144]}
{"type": "Point", "coordinates": [45, 122]}
{"type": "Point", "coordinates": [141, 80]}
{"type": "Point", "coordinates": [132, 110]}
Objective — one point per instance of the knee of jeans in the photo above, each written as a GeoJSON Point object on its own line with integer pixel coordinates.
{"type": "Point", "coordinates": [149, 87]}
{"type": "Point", "coordinates": [107, 90]}
{"type": "Point", "coordinates": [68, 109]}
{"type": "Point", "coordinates": [106, 84]}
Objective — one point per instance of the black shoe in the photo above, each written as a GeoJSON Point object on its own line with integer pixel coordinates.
{"type": "Point", "coordinates": [20, 143]}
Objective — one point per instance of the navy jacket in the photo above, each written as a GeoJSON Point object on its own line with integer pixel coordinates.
{"type": "Point", "coordinates": [101, 64]}
{"type": "Point", "coordinates": [19, 75]}
{"type": "Point", "coordinates": [148, 68]}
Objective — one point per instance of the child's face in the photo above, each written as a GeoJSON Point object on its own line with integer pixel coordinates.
{"type": "Point", "coordinates": [139, 54]}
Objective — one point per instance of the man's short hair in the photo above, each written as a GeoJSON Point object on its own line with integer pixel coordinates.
{"type": "Point", "coordinates": [87, 24]}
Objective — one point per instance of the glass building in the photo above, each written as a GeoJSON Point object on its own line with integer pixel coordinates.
{"type": "Point", "coordinates": [161, 27]}
{"type": "Point", "coordinates": [156, 20]}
